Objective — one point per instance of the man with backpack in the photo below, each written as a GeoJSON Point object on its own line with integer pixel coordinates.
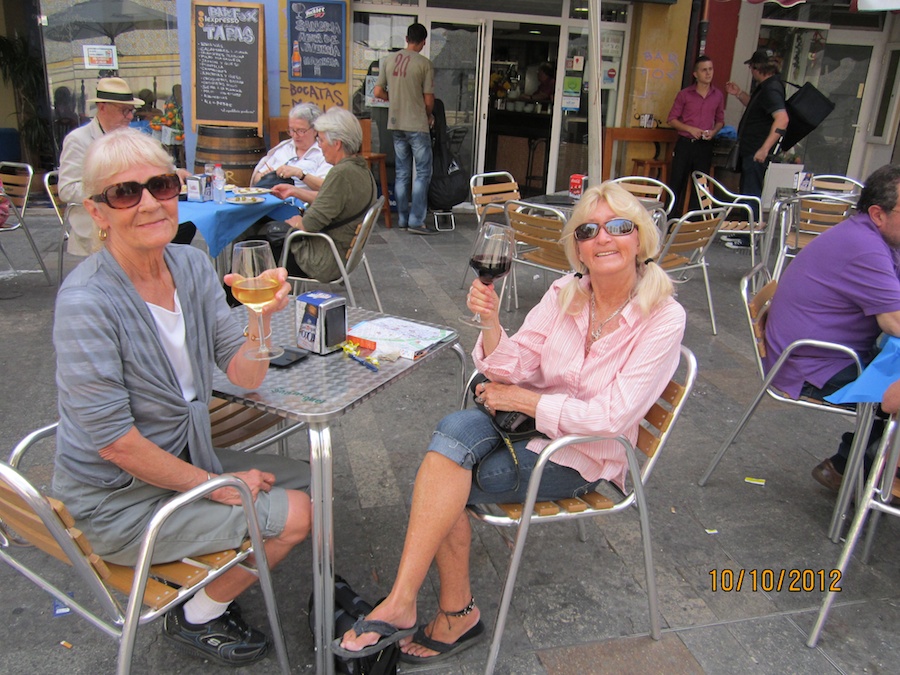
{"type": "Point", "coordinates": [406, 81]}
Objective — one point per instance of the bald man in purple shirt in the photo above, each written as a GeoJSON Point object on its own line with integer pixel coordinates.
{"type": "Point", "coordinates": [697, 114]}
{"type": "Point", "coordinates": [843, 287]}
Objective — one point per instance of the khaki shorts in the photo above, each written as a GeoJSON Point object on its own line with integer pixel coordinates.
{"type": "Point", "coordinates": [114, 521]}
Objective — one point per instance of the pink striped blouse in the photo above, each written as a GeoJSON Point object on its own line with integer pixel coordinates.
{"type": "Point", "coordinates": [606, 392]}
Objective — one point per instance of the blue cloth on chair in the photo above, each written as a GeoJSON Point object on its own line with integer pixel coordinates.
{"type": "Point", "coordinates": [870, 386]}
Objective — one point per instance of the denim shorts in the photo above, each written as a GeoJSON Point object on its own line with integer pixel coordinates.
{"type": "Point", "coordinates": [467, 437]}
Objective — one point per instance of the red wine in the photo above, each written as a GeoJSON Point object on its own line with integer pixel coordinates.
{"type": "Point", "coordinates": [488, 268]}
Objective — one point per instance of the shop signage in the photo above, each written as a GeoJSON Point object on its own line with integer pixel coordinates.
{"type": "Point", "coordinates": [228, 54]}
{"type": "Point", "coordinates": [317, 41]}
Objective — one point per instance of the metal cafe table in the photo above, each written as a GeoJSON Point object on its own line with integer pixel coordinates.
{"type": "Point", "coordinates": [318, 391]}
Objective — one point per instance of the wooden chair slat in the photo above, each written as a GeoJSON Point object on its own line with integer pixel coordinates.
{"type": "Point", "coordinates": [156, 595]}
{"type": "Point", "coordinates": [218, 559]}
{"type": "Point", "coordinates": [513, 511]}
{"type": "Point", "coordinates": [572, 505]}
{"type": "Point", "coordinates": [179, 573]}
{"type": "Point", "coordinates": [597, 501]}
{"type": "Point", "coordinates": [546, 508]}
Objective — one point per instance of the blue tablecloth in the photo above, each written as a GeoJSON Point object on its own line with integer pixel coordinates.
{"type": "Point", "coordinates": [220, 224]}
{"type": "Point", "coordinates": [870, 386]}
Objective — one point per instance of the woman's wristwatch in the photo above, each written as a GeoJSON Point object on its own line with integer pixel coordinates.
{"type": "Point", "coordinates": [302, 176]}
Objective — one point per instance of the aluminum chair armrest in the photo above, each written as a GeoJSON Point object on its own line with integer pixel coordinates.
{"type": "Point", "coordinates": [821, 344]}
{"type": "Point", "coordinates": [303, 233]}
{"type": "Point", "coordinates": [15, 456]}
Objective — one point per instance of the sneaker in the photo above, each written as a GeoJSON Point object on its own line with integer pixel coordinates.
{"type": "Point", "coordinates": [227, 639]}
{"type": "Point", "coordinates": [738, 245]}
{"type": "Point", "coordinates": [421, 229]}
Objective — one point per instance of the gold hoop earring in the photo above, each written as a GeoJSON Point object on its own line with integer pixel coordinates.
{"type": "Point", "coordinates": [103, 235]}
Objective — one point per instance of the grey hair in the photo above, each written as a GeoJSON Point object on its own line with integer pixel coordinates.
{"type": "Point", "coordinates": [339, 124]}
{"type": "Point", "coordinates": [119, 151]}
{"type": "Point", "coordinates": [880, 189]}
{"type": "Point", "coordinates": [309, 112]}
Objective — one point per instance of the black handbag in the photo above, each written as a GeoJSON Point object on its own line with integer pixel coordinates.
{"type": "Point", "coordinates": [806, 109]}
{"type": "Point", "coordinates": [512, 426]}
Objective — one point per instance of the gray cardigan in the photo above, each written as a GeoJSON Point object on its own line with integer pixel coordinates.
{"type": "Point", "coordinates": [113, 373]}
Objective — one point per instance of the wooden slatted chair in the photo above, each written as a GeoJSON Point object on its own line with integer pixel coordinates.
{"type": "Point", "coordinates": [233, 424]}
{"type": "Point", "coordinates": [490, 191]}
{"type": "Point", "coordinates": [27, 516]}
{"type": "Point", "coordinates": [756, 307]}
{"type": "Point", "coordinates": [654, 433]}
{"type": "Point", "coordinates": [648, 188]}
{"type": "Point", "coordinates": [538, 230]}
{"type": "Point", "coordinates": [685, 247]}
{"type": "Point", "coordinates": [811, 216]}
{"type": "Point", "coordinates": [824, 182]}
{"type": "Point", "coordinates": [16, 178]}
{"type": "Point", "coordinates": [355, 254]}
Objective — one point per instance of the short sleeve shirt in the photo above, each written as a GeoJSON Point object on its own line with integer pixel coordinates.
{"type": "Point", "coordinates": [833, 291]}
{"type": "Point", "coordinates": [407, 76]}
{"type": "Point", "coordinates": [767, 99]}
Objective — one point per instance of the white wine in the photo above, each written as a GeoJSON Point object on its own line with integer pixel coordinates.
{"type": "Point", "coordinates": [256, 293]}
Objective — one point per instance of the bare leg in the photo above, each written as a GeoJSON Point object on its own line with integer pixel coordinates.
{"type": "Point", "coordinates": [453, 567]}
{"type": "Point", "coordinates": [439, 499]}
{"type": "Point", "coordinates": [299, 521]}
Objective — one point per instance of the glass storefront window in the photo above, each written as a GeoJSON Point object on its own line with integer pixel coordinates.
{"type": "Point", "coordinates": [374, 37]}
{"type": "Point", "coordinates": [837, 13]}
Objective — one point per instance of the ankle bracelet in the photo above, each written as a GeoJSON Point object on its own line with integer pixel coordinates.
{"type": "Point", "coordinates": [463, 612]}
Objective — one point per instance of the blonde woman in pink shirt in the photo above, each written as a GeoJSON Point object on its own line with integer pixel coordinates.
{"type": "Point", "coordinates": [590, 358]}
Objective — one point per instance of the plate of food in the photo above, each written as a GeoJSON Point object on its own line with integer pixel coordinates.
{"type": "Point", "coordinates": [244, 200]}
{"type": "Point", "coordinates": [230, 187]}
{"type": "Point", "coordinates": [251, 191]}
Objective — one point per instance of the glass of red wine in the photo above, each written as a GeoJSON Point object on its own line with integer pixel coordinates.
{"type": "Point", "coordinates": [491, 259]}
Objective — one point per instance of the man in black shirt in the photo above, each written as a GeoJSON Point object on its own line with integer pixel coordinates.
{"type": "Point", "coordinates": [764, 121]}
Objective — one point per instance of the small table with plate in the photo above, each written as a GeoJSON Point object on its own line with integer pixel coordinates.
{"type": "Point", "coordinates": [221, 224]}
{"type": "Point", "coordinates": [319, 390]}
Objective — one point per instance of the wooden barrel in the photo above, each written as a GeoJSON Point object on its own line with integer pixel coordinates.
{"type": "Point", "coordinates": [237, 149]}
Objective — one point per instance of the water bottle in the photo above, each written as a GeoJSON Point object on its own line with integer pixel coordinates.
{"type": "Point", "coordinates": [219, 184]}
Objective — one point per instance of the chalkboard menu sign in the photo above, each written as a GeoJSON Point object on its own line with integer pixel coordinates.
{"type": "Point", "coordinates": [228, 51]}
{"type": "Point", "coordinates": [317, 41]}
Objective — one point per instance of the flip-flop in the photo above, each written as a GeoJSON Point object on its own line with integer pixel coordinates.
{"type": "Point", "coordinates": [389, 633]}
{"type": "Point", "coordinates": [444, 649]}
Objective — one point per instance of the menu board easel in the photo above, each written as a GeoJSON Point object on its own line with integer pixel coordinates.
{"type": "Point", "coordinates": [228, 54]}
{"type": "Point", "coordinates": [317, 39]}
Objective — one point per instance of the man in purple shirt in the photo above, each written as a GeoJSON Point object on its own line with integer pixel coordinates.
{"type": "Point", "coordinates": [843, 287]}
{"type": "Point", "coordinates": [698, 113]}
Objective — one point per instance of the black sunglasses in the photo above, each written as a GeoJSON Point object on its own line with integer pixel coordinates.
{"type": "Point", "coordinates": [128, 194]}
{"type": "Point", "coordinates": [617, 227]}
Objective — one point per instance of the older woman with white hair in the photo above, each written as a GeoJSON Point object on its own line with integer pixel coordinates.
{"type": "Point", "coordinates": [298, 159]}
{"type": "Point", "coordinates": [589, 359]}
{"type": "Point", "coordinates": [341, 204]}
{"type": "Point", "coordinates": [139, 327]}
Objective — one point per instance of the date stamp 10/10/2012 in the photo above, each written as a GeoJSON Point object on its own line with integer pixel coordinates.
{"type": "Point", "coordinates": [774, 580]}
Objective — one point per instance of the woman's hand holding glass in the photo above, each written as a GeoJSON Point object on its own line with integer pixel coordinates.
{"type": "Point", "coordinates": [258, 284]}
{"type": "Point", "coordinates": [484, 301]}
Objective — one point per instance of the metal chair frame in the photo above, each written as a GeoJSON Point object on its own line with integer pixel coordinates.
{"type": "Point", "coordinates": [810, 216]}
{"type": "Point", "coordinates": [826, 182]}
{"type": "Point", "coordinates": [880, 486]}
{"type": "Point", "coordinates": [17, 178]}
{"type": "Point", "coordinates": [644, 186]}
{"type": "Point", "coordinates": [25, 509]}
{"type": "Point", "coordinates": [685, 247]}
{"type": "Point", "coordinates": [652, 438]}
{"type": "Point", "coordinates": [355, 255]}
{"type": "Point", "coordinates": [756, 307]}
{"type": "Point", "coordinates": [708, 190]}
{"type": "Point", "coordinates": [538, 229]}
{"type": "Point", "coordinates": [51, 187]}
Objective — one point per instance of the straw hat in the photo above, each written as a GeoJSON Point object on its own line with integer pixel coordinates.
{"type": "Point", "coordinates": [114, 90]}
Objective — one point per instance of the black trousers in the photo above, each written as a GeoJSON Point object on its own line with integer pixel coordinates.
{"type": "Point", "coordinates": [689, 156]}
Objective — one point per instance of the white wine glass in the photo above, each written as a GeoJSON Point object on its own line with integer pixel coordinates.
{"type": "Point", "coordinates": [254, 288]}
{"type": "Point", "coordinates": [491, 259]}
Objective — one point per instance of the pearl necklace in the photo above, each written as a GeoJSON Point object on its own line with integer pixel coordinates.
{"type": "Point", "coordinates": [598, 331]}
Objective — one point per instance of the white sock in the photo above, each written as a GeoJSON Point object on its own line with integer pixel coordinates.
{"type": "Point", "coordinates": [203, 609]}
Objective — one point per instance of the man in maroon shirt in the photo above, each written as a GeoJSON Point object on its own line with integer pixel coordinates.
{"type": "Point", "coordinates": [697, 114]}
